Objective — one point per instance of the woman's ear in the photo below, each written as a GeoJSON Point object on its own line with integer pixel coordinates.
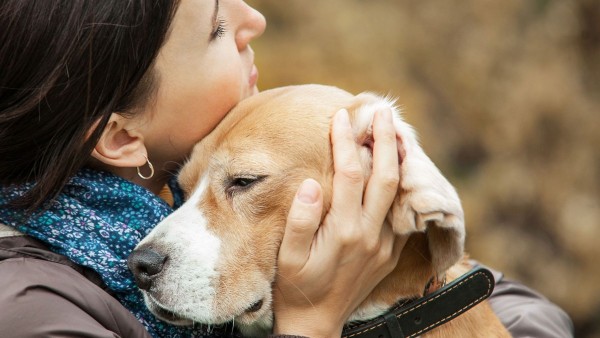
{"type": "Point", "coordinates": [120, 145]}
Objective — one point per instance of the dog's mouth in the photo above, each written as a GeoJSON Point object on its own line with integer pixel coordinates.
{"type": "Point", "coordinates": [165, 314]}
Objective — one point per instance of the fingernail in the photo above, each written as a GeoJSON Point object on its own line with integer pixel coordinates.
{"type": "Point", "coordinates": [342, 117]}
{"type": "Point", "coordinates": [309, 191]}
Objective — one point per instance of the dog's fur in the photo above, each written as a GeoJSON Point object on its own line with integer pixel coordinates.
{"type": "Point", "coordinates": [239, 183]}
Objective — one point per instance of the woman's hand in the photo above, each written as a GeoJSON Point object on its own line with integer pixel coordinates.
{"type": "Point", "coordinates": [325, 272]}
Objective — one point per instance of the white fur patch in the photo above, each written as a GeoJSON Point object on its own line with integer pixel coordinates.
{"type": "Point", "coordinates": [187, 283]}
{"type": "Point", "coordinates": [366, 112]}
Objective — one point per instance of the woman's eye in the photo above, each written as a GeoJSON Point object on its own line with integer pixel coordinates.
{"type": "Point", "coordinates": [219, 30]}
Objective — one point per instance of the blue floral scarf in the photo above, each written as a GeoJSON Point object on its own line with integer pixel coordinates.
{"type": "Point", "coordinates": [97, 221]}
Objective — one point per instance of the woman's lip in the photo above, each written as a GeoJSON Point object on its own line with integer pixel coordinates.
{"type": "Point", "coordinates": [253, 79]}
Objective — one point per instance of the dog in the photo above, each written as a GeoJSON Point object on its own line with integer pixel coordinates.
{"type": "Point", "coordinates": [214, 259]}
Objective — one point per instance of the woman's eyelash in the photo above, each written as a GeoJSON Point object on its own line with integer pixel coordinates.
{"type": "Point", "coordinates": [220, 29]}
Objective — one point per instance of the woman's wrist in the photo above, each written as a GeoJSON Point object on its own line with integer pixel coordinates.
{"type": "Point", "coordinates": [307, 329]}
{"type": "Point", "coordinates": [315, 324]}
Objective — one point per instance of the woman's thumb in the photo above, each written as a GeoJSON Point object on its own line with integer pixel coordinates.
{"type": "Point", "coordinates": [302, 224]}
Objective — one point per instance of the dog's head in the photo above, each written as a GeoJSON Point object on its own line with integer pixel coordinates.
{"type": "Point", "coordinates": [214, 259]}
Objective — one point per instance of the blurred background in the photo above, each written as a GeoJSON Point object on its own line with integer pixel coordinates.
{"type": "Point", "coordinates": [505, 96]}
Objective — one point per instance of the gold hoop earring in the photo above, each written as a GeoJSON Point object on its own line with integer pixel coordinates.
{"type": "Point", "coordinates": [149, 166]}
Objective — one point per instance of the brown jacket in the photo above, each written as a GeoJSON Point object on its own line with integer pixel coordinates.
{"type": "Point", "coordinates": [43, 294]}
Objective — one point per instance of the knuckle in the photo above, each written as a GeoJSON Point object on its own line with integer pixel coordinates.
{"type": "Point", "coordinates": [390, 264]}
{"type": "Point", "coordinates": [392, 261]}
{"type": "Point", "coordinates": [370, 220]}
{"type": "Point", "coordinates": [288, 266]}
{"type": "Point", "coordinates": [390, 180]}
{"type": "Point", "coordinates": [391, 257]}
{"type": "Point", "coordinates": [372, 247]}
{"type": "Point", "coordinates": [362, 241]}
{"type": "Point", "coordinates": [386, 260]}
{"type": "Point", "coordinates": [353, 173]}
{"type": "Point", "coordinates": [350, 237]}
{"type": "Point", "coordinates": [299, 225]}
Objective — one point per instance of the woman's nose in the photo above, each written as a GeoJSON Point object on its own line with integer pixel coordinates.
{"type": "Point", "coordinates": [145, 264]}
{"type": "Point", "coordinates": [252, 26]}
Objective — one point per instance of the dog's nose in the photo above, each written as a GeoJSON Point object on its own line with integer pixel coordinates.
{"type": "Point", "coordinates": [145, 265]}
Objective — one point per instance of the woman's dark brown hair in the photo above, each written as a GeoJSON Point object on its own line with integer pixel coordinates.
{"type": "Point", "coordinates": [65, 66]}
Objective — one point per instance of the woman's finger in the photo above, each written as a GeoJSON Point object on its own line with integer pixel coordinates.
{"type": "Point", "coordinates": [302, 224]}
{"type": "Point", "coordinates": [382, 186]}
{"type": "Point", "coordinates": [348, 180]}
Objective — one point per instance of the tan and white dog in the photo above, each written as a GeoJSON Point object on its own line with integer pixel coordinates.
{"type": "Point", "coordinates": [214, 259]}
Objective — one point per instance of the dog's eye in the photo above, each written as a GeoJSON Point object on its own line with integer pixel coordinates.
{"type": "Point", "coordinates": [241, 183]}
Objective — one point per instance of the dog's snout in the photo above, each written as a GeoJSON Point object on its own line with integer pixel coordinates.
{"type": "Point", "coordinates": [145, 265]}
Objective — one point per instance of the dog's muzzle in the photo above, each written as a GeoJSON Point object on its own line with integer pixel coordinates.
{"type": "Point", "coordinates": [146, 264]}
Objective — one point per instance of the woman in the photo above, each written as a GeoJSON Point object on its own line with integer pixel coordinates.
{"type": "Point", "coordinates": [100, 102]}
{"type": "Point", "coordinates": [94, 93]}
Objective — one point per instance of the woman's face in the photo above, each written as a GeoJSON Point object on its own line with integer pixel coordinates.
{"type": "Point", "coordinates": [205, 67]}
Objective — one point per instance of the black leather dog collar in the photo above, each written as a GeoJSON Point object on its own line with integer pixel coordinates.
{"type": "Point", "coordinates": [430, 311]}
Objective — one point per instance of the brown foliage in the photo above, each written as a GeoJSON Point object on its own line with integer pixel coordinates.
{"type": "Point", "coordinates": [506, 98]}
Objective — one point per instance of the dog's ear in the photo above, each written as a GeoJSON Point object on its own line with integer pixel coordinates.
{"type": "Point", "coordinates": [426, 201]}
